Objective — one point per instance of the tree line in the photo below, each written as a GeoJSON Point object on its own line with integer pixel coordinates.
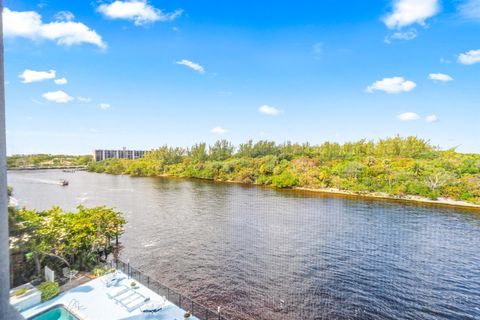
{"type": "Point", "coordinates": [46, 160]}
{"type": "Point", "coordinates": [394, 166]}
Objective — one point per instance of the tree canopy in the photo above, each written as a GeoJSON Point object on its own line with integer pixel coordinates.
{"type": "Point", "coordinates": [77, 239]}
{"type": "Point", "coordinates": [395, 166]}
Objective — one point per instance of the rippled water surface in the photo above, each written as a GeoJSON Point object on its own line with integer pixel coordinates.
{"type": "Point", "coordinates": [266, 254]}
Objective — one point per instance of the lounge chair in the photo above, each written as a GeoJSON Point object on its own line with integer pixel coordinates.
{"type": "Point", "coordinates": [152, 308]}
{"type": "Point", "coordinates": [112, 280]}
{"type": "Point", "coordinates": [140, 301]}
{"type": "Point", "coordinates": [124, 296]}
{"type": "Point", "coordinates": [131, 299]}
{"type": "Point", "coordinates": [117, 291]}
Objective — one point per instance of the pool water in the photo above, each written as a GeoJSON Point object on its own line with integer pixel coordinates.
{"type": "Point", "coordinates": [55, 313]}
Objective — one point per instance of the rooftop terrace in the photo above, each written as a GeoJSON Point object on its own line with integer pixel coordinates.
{"type": "Point", "coordinates": [94, 300]}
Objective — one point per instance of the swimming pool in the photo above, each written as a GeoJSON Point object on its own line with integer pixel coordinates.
{"type": "Point", "coordinates": [57, 312]}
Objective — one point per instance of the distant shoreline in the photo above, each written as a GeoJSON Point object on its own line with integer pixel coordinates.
{"type": "Point", "coordinates": [445, 202]}
{"type": "Point", "coordinates": [47, 168]}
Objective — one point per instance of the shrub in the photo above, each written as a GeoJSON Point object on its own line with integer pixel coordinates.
{"type": "Point", "coordinates": [100, 271]}
{"type": "Point", "coordinates": [49, 290]}
{"type": "Point", "coordinates": [285, 180]}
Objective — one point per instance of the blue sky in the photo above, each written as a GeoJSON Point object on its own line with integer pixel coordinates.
{"type": "Point", "coordinates": [142, 74]}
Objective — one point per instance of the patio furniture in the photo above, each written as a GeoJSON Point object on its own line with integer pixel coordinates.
{"type": "Point", "coordinates": [113, 279]}
{"type": "Point", "coordinates": [117, 291]}
{"type": "Point", "coordinates": [131, 299]}
{"type": "Point", "coordinates": [69, 273]}
{"type": "Point", "coordinates": [152, 308]}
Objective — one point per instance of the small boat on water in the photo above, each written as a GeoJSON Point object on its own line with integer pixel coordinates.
{"type": "Point", "coordinates": [63, 182]}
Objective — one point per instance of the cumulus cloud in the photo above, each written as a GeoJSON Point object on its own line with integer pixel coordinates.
{"type": "Point", "coordinates": [104, 106]}
{"type": "Point", "coordinates": [84, 99]}
{"type": "Point", "coordinates": [408, 116]}
{"type": "Point", "coordinates": [432, 118]}
{"type": "Point", "coordinates": [469, 57]}
{"type": "Point", "coordinates": [470, 9]}
{"type": "Point", "coordinates": [392, 85]}
{"type": "Point", "coordinates": [29, 76]}
{"type": "Point", "coordinates": [28, 24]}
{"type": "Point", "coordinates": [440, 77]}
{"type": "Point", "coordinates": [191, 65]}
{"type": "Point", "coordinates": [61, 81]}
{"type": "Point", "coordinates": [138, 11]}
{"type": "Point", "coordinates": [409, 12]}
{"type": "Point", "coordinates": [57, 96]}
{"type": "Point", "coordinates": [218, 130]}
{"type": "Point", "coordinates": [269, 110]}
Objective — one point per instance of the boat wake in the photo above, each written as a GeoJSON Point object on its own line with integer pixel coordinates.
{"type": "Point", "coordinates": [43, 181]}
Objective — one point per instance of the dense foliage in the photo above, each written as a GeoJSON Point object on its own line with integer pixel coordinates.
{"type": "Point", "coordinates": [395, 166]}
{"type": "Point", "coordinates": [49, 290]}
{"type": "Point", "coordinates": [74, 239]}
{"type": "Point", "coordinates": [46, 160]}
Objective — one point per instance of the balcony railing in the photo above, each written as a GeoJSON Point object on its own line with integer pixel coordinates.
{"type": "Point", "coordinates": [182, 301]}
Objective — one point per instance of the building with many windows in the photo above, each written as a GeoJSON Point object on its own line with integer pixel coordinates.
{"type": "Point", "coordinates": [102, 154]}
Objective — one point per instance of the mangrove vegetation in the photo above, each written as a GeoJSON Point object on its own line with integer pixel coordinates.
{"type": "Point", "coordinates": [396, 167]}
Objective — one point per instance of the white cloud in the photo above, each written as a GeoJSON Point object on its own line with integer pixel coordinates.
{"type": "Point", "coordinates": [138, 11]}
{"type": "Point", "coordinates": [402, 35]}
{"type": "Point", "coordinates": [218, 130]}
{"type": "Point", "coordinates": [269, 110]}
{"type": "Point", "coordinates": [64, 16]}
{"type": "Point", "coordinates": [469, 57]}
{"type": "Point", "coordinates": [28, 24]}
{"type": "Point", "coordinates": [408, 116]}
{"type": "Point", "coordinates": [440, 77]}
{"type": "Point", "coordinates": [392, 85]}
{"type": "Point", "coordinates": [57, 96]}
{"type": "Point", "coordinates": [84, 99]}
{"type": "Point", "coordinates": [30, 76]}
{"type": "Point", "coordinates": [61, 81]}
{"type": "Point", "coordinates": [470, 9]}
{"type": "Point", "coordinates": [408, 12]}
{"type": "Point", "coordinates": [445, 61]}
{"type": "Point", "coordinates": [104, 106]}
{"type": "Point", "coordinates": [432, 118]}
{"type": "Point", "coordinates": [192, 65]}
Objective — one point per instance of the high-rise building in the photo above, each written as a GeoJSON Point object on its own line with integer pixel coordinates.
{"type": "Point", "coordinates": [102, 154]}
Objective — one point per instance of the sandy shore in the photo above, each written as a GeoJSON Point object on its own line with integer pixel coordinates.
{"type": "Point", "coordinates": [385, 196]}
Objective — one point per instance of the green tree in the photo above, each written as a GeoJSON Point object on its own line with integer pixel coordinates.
{"type": "Point", "coordinates": [221, 150]}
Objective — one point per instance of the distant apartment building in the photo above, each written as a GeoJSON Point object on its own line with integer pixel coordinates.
{"type": "Point", "coordinates": [102, 154]}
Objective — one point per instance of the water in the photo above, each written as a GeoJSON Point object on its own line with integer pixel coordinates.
{"type": "Point", "coordinates": [265, 254]}
{"type": "Point", "coordinates": [55, 313]}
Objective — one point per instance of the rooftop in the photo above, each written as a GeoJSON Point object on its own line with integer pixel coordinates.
{"type": "Point", "coordinates": [93, 301]}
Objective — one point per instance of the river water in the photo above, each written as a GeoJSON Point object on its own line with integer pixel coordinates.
{"type": "Point", "coordinates": [266, 254]}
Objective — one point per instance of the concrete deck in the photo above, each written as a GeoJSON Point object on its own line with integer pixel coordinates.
{"type": "Point", "coordinates": [95, 304]}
